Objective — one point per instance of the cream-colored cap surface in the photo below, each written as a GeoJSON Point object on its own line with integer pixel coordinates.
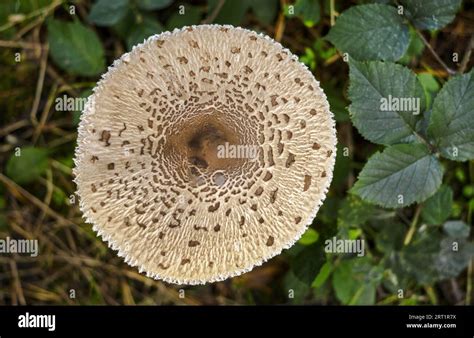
{"type": "Point", "coordinates": [203, 153]}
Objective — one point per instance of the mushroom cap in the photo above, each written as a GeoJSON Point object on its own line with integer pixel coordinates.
{"type": "Point", "coordinates": [203, 153]}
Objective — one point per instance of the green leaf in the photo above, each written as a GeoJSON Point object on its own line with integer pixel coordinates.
{"type": "Point", "coordinates": [355, 281]}
{"type": "Point", "coordinates": [298, 288]}
{"type": "Point", "coordinates": [371, 32]}
{"type": "Point", "coordinates": [390, 237]}
{"type": "Point", "coordinates": [309, 59]}
{"type": "Point", "coordinates": [430, 86]}
{"type": "Point", "coordinates": [149, 26]}
{"type": "Point", "coordinates": [231, 13]}
{"type": "Point", "coordinates": [309, 11]}
{"type": "Point", "coordinates": [415, 48]}
{"type": "Point", "coordinates": [454, 256]}
{"type": "Point", "coordinates": [28, 166]}
{"type": "Point", "coordinates": [452, 119]}
{"type": "Point", "coordinates": [75, 48]}
{"type": "Point", "coordinates": [323, 275]}
{"type": "Point", "coordinates": [399, 176]}
{"type": "Point", "coordinates": [431, 14]}
{"type": "Point", "coordinates": [417, 260]}
{"type": "Point", "coordinates": [337, 102]}
{"type": "Point", "coordinates": [353, 213]}
{"type": "Point", "coordinates": [108, 13]}
{"type": "Point", "coordinates": [76, 115]}
{"type": "Point", "coordinates": [375, 89]}
{"type": "Point", "coordinates": [122, 27]}
{"type": "Point", "coordinates": [309, 237]}
{"type": "Point", "coordinates": [457, 229]}
{"type": "Point", "coordinates": [437, 208]}
{"type": "Point", "coordinates": [59, 197]}
{"type": "Point", "coordinates": [308, 262]}
{"type": "Point", "coordinates": [265, 11]}
{"type": "Point", "coordinates": [342, 168]}
{"type": "Point", "coordinates": [150, 5]}
{"type": "Point", "coordinates": [191, 16]}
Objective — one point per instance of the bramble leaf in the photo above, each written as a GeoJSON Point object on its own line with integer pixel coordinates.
{"type": "Point", "coordinates": [431, 14]}
{"type": "Point", "coordinates": [371, 32]}
{"type": "Point", "coordinates": [452, 119]}
{"type": "Point", "coordinates": [437, 208]}
{"type": "Point", "coordinates": [399, 176]}
{"type": "Point", "coordinates": [375, 89]}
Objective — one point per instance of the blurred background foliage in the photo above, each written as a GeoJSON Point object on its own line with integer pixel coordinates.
{"type": "Point", "coordinates": [52, 48]}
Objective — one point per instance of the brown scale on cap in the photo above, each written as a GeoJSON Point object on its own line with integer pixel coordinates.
{"type": "Point", "coordinates": [199, 142]}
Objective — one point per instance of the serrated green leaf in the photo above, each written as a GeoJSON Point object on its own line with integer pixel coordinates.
{"type": "Point", "coordinates": [456, 229]}
{"type": "Point", "coordinates": [371, 32]}
{"type": "Point", "coordinates": [399, 176]}
{"type": "Point", "coordinates": [148, 27]}
{"type": "Point", "coordinates": [108, 13]}
{"type": "Point", "coordinates": [28, 166]}
{"type": "Point", "coordinates": [150, 5]}
{"type": "Point", "coordinates": [437, 208]}
{"type": "Point", "coordinates": [375, 88]}
{"type": "Point", "coordinates": [191, 16]}
{"type": "Point", "coordinates": [75, 48]}
{"type": "Point", "coordinates": [309, 237]}
{"type": "Point", "coordinates": [431, 14]}
{"type": "Point", "coordinates": [452, 119]}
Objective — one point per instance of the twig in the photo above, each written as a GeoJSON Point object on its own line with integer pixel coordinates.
{"type": "Point", "coordinates": [412, 229]}
{"type": "Point", "coordinates": [467, 55]}
{"type": "Point", "coordinates": [332, 11]}
{"type": "Point", "coordinates": [433, 52]}
{"type": "Point", "coordinates": [17, 283]}
{"type": "Point", "coordinates": [431, 294]}
{"type": "Point", "coordinates": [39, 85]}
{"type": "Point", "coordinates": [19, 44]}
{"type": "Point", "coordinates": [47, 201]}
{"type": "Point", "coordinates": [280, 25]}
{"type": "Point", "coordinates": [65, 139]}
{"type": "Point", "coordinates": [470, 272]}
{"type": "Point", "coordinates": [14, 126]}
{"type": "Point", "coordinates": [67, 87]}
{"type": "Point", "coordinates": [16, 190]}
{"type": "Point", "coordinates": [45, 113]}
{"type": "Point", "coordinates": [44, 11]}
{"type": "Point", "coordinates": [212, 16]}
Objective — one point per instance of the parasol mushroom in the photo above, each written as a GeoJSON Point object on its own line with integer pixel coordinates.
{"type": "Point", "coordinates": [164, 169]}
